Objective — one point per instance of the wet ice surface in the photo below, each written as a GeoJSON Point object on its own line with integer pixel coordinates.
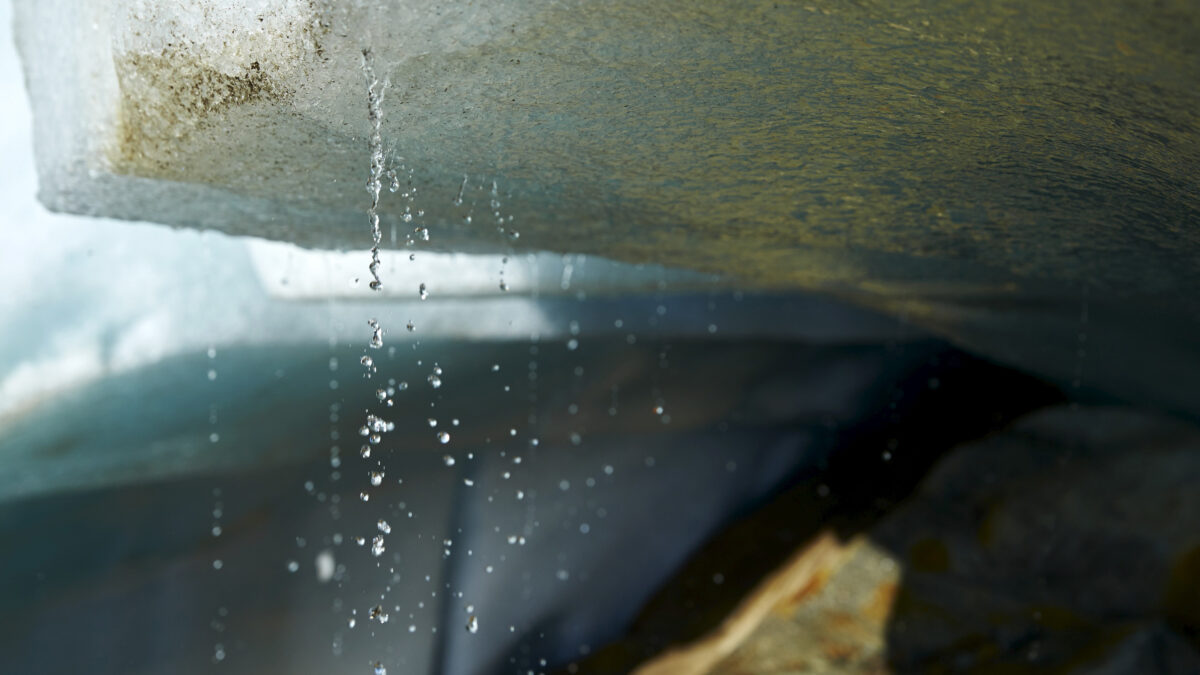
{"type": "Point", "coordinates": [988, 173]}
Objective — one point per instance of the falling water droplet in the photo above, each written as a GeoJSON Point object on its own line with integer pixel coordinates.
{"type": "Point", "coordinates": [377, 547]}
{"type": "Point", "coordinates": [443, 437]}
{"type": "Point", "coordinates": [376, 334]}
{"type": "Point", "coordinates": [383, 526]}
{"type": "Point", "coordinates": [472, 624]}
{"type": "Point", "coordinates": [376, 478]}
{"type": "Point", "coordinates": [379, 425]}
{"type": "Point", "coordinates": [375, 144]}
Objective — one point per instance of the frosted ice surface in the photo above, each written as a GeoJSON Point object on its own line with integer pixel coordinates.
{"type": "Point", "coordinates": [246, 116]}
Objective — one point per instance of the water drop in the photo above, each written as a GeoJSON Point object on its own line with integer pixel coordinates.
{"type": "Point", "coordinates": [422, 292]}
{"type": "Point", "coordinates": [443, 437]}
{"type": "Point", "coordinates": [383, 526]}
{"type": "Point", "coordinates": [376, 478]}
{"type": "Point", "coordinates": [376, 334]}
{"type": "Point", "coordinates": [472, 624]}
{"type": "Point", "coordinates": [435, 381]}
{"type": "Point", "coordinates": [293, 566]}
{"type": "Point", "coordinates": [448, 460]}
{"type": "Point", "coordinates": [379, 425]}
{"type": "Point", "coordinates": [377, 547]}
